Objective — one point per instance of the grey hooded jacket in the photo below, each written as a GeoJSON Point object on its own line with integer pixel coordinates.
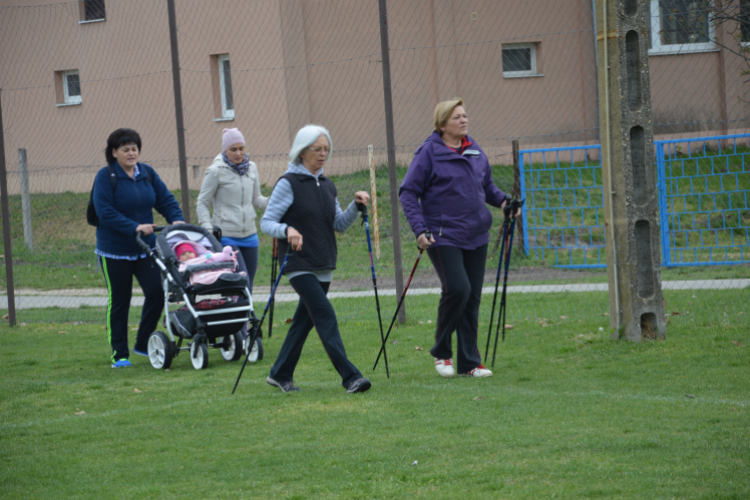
{"type": "Point", "coordinates": [234, 198]}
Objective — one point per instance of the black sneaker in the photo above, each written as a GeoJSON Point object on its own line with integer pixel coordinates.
{"type": "Point", "coordinates": [284, 386]}
{"type": "Point", "coordinates": [359, 385]}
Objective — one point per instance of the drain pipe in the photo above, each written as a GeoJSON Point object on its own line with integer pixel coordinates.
{"type": "Point", "coordinates": [607, 138]}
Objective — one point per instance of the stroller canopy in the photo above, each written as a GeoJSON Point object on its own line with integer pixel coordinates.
{"type": "Point", "coordinates": [181, 233]}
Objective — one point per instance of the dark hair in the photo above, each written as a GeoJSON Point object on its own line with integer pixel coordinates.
{"type": "Point", "coordinates": [119, 138]}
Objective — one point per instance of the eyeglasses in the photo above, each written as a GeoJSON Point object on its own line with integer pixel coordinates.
{"type": "Point", "coordinates": [325, 150]}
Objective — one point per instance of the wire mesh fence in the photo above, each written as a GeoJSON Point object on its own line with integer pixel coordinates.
{"type": "Point", "coordinates": [72, 72]}
{"type": "Point", "coordinates": [704, 204]}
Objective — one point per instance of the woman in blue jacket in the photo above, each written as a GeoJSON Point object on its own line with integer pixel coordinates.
{"type": "Point", "coordinates": [445, 192]}
{"type": "Point", "coordinates": [125, 208]}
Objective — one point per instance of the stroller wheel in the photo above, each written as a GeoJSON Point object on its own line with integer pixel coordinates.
{"type": "Point", "coordinates": [256, 352]}
{"type": "Point", "coordinates": [231, 349]}
{"type": "Point", "coordinates": [160, 350]}
{"type": "Point", "coordinates": [199, 355]}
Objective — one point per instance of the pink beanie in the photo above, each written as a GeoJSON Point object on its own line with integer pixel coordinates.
{"type": "Point", "coordinates": [231, 136]}
{"type": "Point", "coordinates": [182, 248]}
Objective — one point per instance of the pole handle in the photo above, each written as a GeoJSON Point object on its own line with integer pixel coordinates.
{"type": "Point", "coordinates": [510, 209]}
{"type": "Point", "coordinates": [363, 211]}
{"type": "Point", "coordinates": [428, 235]}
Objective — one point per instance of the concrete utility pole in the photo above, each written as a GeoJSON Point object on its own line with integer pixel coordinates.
{"type": "Point", "coordinates": [636, 303]}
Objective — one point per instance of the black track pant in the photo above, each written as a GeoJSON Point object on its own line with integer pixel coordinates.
{"type": "Point", "coordinates": [313, 310]}
{"type": "Point", "coordinates": [461, 274]}
{"type": "Point", "coordinates": [247, 261]}
{"type": "Point", "coordinates": [119, 277]}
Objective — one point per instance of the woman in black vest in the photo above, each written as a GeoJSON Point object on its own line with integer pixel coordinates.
{"type": "Point", "coordinates": [304, 212]}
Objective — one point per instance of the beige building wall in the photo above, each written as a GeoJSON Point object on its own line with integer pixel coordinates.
{"type": "Point", "coordinates": [41, 40]}
{"type": "Point", "coordinates": [300, 61]}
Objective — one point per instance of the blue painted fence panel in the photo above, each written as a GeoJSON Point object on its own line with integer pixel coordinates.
{"type": "Point", "coordinates": [703, 198]}
{"type": "Point", "coordinates": [563, 216]}
{"type": "Point", "coordinates": [703, 203]}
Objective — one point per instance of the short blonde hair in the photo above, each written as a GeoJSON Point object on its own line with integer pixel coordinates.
{"type": "Point", "coordinates": [443, 112]}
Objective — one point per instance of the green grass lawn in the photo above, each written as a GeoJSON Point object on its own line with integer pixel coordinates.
{"type": "Point", "coordinates": [569, 413]}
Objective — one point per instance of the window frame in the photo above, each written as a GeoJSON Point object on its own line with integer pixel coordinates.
{"type": "Point", "coordinates": [226, 114]}
{"type": "Point", "coordinates": [82, 13]}
{"type": "Point", "coordinates": [746, 3]}
{"type": "Point", "coordinates": [68, 99]}
{"type": "Point", "coordinates": [657, 48]}
{"type": "Point", "coordinates": [534, 71]}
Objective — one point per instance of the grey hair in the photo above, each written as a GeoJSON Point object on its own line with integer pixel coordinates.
{"type": "Point", "coordinates": [305, 138]}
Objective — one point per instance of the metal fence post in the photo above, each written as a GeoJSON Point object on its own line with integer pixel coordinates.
{"type": "Point", "coordinates": [527, 211]}
{"type": "Point", "coordinates": [661, 185]}
{"type": "Point", "coordinates": [178, 110]}
{"type": "Point", "coordinates": [9, 284]}
{"type": "Point", "coordinates": [23, 167]}
{"type": "Point", "coordinates": [391, 144]}
{"type": "Point", "coordinates": [517, 193]}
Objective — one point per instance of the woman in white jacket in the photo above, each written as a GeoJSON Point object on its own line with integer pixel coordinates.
{"type": "Point", "coordinates": [232, 186]}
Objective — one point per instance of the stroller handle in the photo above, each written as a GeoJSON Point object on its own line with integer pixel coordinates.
{"type": "Point", "coordinates": [141, 243]}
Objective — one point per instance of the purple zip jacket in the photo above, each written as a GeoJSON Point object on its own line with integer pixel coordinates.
{"type": "Point", "coordinates": [453, 190]}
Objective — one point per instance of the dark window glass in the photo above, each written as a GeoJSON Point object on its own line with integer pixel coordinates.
{"type": "Point", "coordinates": [93, 9]}
{"type": "Point", "coordinates": [745, 20]}
{"type": "Point", "coordinates": [226, 70]}
{"type": "Point", "coordinates": [517, 59]}
{"type": "Point", "coordinates": [74, 84]}
{"type": "Point", "coordinates": [683, 21]}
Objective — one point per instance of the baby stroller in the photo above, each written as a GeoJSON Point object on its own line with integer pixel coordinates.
{"type": "Point", "coordinates": [214, 322]}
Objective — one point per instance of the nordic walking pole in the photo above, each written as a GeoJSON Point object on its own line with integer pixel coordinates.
{"type": "Point", "coordinates": [500, 234]}
{"type": "Point", "coordinates": [363, 209]}
{"type": "Point", "coordinates": [428, 235]}
{"type": "Point", "coordinates": [256, 329]}
{"type": "Point", "coordinates": [510, 212]}
{"type": "Point", "coordinates": [274, 264]}
{"type": "Point", "coordinates": [504, 232]}
{"type": "Point", "coordinates": [501, 313]}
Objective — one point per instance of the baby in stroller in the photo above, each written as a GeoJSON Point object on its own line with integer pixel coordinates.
{"type": "Point", "coordinates": [193, 255]}
{"type": "Point", "coordinates": [184, 251]}
{"type": "Point", "coordinates": [210, 271]}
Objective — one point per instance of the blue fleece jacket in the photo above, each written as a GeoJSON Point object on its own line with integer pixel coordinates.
{"type": "Point", "coordinates": [446, 193]}
{"type": "Point", "coordinates": [121, 211]}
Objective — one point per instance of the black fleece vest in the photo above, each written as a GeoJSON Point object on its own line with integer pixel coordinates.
{"type": "Point", "coordinates": [312, 214]}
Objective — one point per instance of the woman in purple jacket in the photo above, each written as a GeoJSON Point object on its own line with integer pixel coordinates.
{"type": "Point", "coordinates": [445, 192]}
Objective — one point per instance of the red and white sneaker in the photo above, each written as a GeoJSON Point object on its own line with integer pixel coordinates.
{"type": "Point", "coordinates": [478, 372]}
{"type": "Point", "coordinates": [445, 367]}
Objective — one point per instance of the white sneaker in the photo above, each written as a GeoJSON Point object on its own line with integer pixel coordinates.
{"type": "Point", "coordinates": [445, 367]}
{"type": "Point", "coordinates": [478, 372]}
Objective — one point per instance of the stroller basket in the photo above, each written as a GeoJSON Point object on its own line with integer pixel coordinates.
{"type": "Point", "coordinates": [217, 316]}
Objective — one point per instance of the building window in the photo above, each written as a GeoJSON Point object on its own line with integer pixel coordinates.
{"type": "Point", "coordinates": [225, 86]}
{"type": "Point", "coordinates": [91, 10]}
{"type": "Point", "coordinates": [681, 26]}
{"type": "Point", "coordinates": [519, 59]}
{"type": "Point", "coordinates": [68, 87]}
{"type": "Point", "coordinates": [745, 21]}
